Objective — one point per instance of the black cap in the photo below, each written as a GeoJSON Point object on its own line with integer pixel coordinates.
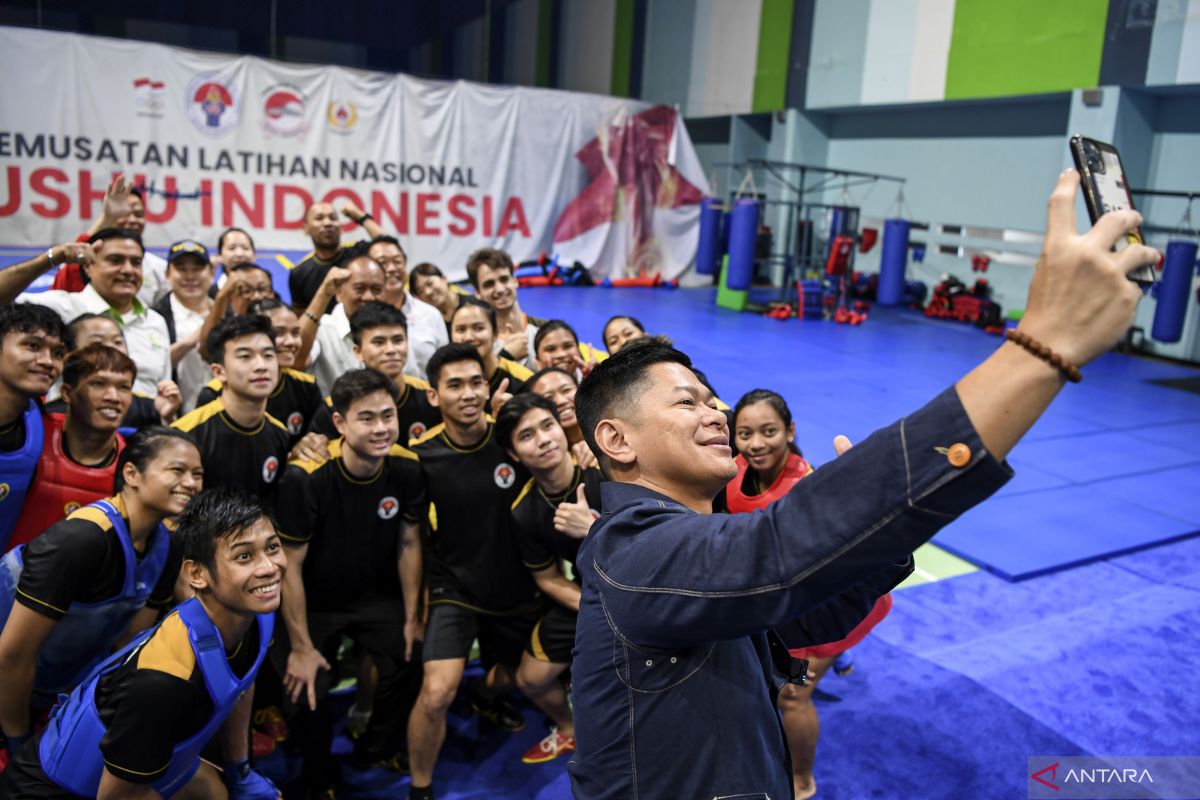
{"type": "Point", "coordinates": [185, 247]}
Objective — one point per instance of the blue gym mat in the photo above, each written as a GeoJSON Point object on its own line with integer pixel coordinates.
{"type": "Point", "coordinates": [1112, 467]}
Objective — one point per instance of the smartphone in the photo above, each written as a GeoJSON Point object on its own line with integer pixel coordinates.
{"type": "Point", "coordinates": [1105, 189]}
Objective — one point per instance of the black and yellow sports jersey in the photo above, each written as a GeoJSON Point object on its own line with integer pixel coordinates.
{"type": "Point", "coordinates": [351, 525]}
{"type": "Point", "coordinates": [541, 544]}
{"type": "Point", "coordinates": [414, 412]}
{"type": "Point", "coordinates": [516, 374]}
{"type": "Point", "coordinates": [294, 402]}
{"type": "Point", "coordinates": [250, 459]}
{"type": "Point", "coordinates": [474, 556]}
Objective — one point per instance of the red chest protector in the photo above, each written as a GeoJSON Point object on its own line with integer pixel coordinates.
{"type": "Point", "coordinates": [740, 503]}
{"type": "Point", "coordinates": [60, 485]}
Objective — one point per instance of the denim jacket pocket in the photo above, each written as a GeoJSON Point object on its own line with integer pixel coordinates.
{"type": "Point", "coordinates": [659, 670]}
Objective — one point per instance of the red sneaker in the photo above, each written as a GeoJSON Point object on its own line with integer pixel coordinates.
{"type": "Point", "coordinates": [550, 748]}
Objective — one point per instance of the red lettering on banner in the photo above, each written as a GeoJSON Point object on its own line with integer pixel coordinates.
{"type": "Point", "coordinates": [381, 209]}
{"type": "Point", "coordinates": [231, 196]}
{"type": "Point", "coordinates": [514, 218]}
{"type": "Point", "coordinates": [461, 214]}
{"type": "Point", "coordinates": [206, 215]}
{"type": "Point", "coordinates": [88, 194]}
{"type": "Point", "coordinates": [334, 194]}
{"type": "Point", "coordinates": [14, 192]}
{"type": "Point", "coordinates": [170, 195]}
{"type": "Point", "coordinates": [39, 184]}
{"type": "Point", "coordinates": [487, 215]}
{"type": "Point", "coordinates": [282, 193]}
{"type": "Point", "coordinates": [426, 214]}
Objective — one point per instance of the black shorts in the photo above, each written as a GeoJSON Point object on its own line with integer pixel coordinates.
{"type": "Point", "coordinates": [453, 628]}
{"type": "Point", "coordinates": [553, 638]}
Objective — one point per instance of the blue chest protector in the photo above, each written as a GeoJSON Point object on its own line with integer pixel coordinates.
{"type": "Point", "coordinates": [86, 634]}
{"type": "Point", "coordinates": [16, 473]}
{"type": "Point", "coordinates": [69, 749]}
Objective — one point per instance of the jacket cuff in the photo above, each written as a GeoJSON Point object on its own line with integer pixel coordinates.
{"type": "Point", "coordinates": [947, 468]}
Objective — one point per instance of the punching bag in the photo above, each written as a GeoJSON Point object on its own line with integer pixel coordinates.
{"type": "Point", "coordinates": [709, 242]}
{"type": "Point", "coordinates": [743, 231]}
{"type": "Point", "coordinates": [892, 262]}
{"type": "Point", "coordinates": [1174, 291]}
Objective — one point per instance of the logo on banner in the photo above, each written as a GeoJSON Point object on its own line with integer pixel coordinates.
{"type": "Point", "coordinates": [388, 507]}
{"type": "Point", "coordinates": [342, 116]}
{"type": "Point", "coordinates": [283, 110]}
{"type": "Point", "coordinates": [504, 475]}
{"type": "Point", "coordinates": [212, 105]}
{"type": "Point", "coordinates": [148, 97]}
{"type": "Point", "coordinates": [270, 468]}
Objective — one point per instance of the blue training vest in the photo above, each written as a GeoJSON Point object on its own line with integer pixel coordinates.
{"type": "Point", "coordinates": [85, 636]}
{"type": "Point", "coordinates": [16, 473]}
{"type": "Point", "coordinates": [69, 749]}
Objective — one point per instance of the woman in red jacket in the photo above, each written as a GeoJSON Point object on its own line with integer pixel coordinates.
{"type": "Point", "coordinates": [769, 465]}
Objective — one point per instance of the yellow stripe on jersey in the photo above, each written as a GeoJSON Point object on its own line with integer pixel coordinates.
{"type": "Point", "coordinates": [536, 642]}
{"type": "Point", "coordinates": [526, 489]}
{"type": "Point", "coordinates": [587, 351]}
{"type": "Point", "coordinates": [169, 650]}
{"type": "Point", "coordinates": [436, 430]}
{"type": "Point", "coordinates": [334, 449]}
{"type": "Point", "coordinates": [215, 384]}
{"type": "Point", "coordinates": [403, 452]}
{"type": "Point", "coordinates": [194, 419]}
{"type": "Point", "coordinates": [416, 383]}
{"type": "Point", "coordinates": [277, 424]}
{"type": "Point", "coordinates": [98, 517]}
{"type": "Point", "coordinates": [518, 371]}
{"type": "Point", "coordinates": [432, 517]}
{"type": "Point", "coordinates": [296, 374]}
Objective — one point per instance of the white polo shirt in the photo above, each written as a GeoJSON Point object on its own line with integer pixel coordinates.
{"type": "Point", "coordinates": [336, 355]}
{"type": "Point", "coordinates": [426, 333]}
{"type": "Point", "coordinates": [191, 373]}
{"type": "Point", "coordinates": [145, 330]}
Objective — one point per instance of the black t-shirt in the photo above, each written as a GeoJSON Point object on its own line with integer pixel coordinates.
{"type": "Point", "coordinates": [295, 400]}
{"type": "Point", "coordinates": [414, 412]}
{"type": "Point", "coordinates": [351, 525]}
{"type": "Point", "coordinates": [250, 459]}
{"type": "Point", "coordinates": [541, 544]}
{"type": "Point", "coordinates": [475, 561]}
{"type": "Point", "coordinates": [80, 560]}
{"type": "Point", "coordinates": [306, 277]}
{"type": "Point", "coordinates": [12, 436]}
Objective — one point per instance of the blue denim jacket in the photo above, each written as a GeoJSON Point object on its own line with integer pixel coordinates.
{"type": "Point", "coordinates": [673, 682]}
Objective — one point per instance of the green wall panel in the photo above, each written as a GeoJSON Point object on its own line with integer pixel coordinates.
{"type": "Point", "coordinates": [622, 48]}
{"type": "Point", "coordinates": [771, 68]}
{"type": "Point", "coordinates": [1017, 47]}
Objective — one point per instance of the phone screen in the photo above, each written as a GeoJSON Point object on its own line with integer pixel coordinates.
{"type": "Point", "coordinates": [1106, 189]}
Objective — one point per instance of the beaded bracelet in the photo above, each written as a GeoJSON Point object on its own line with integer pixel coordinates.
{"type": "Point", "coordinates": [1024, 340]}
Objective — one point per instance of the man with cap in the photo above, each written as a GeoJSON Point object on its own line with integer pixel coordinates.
{"type": "Point", "coordinates": [184, 309]}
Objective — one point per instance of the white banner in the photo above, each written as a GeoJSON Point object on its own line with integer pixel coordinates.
{"type": "Point", "coordinates": [219, 141]}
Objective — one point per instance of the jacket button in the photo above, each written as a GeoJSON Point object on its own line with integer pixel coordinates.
{"type": "Point", "coordinates": [649, 663]}
{"type": "Point", "coordinates": [673, 659]}
{"type": "Point", "coordinates": [959, 455]}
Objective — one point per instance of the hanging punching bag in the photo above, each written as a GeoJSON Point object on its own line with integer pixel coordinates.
{"type": "Point", "coordinates": [709, 241]}
{"type": "Point", "coordinates": [1174, 291]}
{"type": "Point", "coordinates": [893, 261]}
{"type": "Point", "coordinates": [743, 231]}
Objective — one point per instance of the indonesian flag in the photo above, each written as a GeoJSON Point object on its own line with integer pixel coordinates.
{"type": "Point", "coordinates": [639, 214]}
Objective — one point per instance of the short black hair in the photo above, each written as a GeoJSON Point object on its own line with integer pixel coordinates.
{"type": "Point", "coordinates": [71, 337]}
{"type": "Point", "coordinates": [543, 372]}
{"type": "Point", "coordinates": [232, 328]}
{"type": "Point", "coordinates": [383, 238]}
{"type": "Point", "coordinates": [490, 257]}
{"type": "Point", "coordinates": [471, 302]}
{"type": "Point", "coordinates": [357, 383]}
{"type": "Point", "coordinates": [266, 305]}
{"type": "Point", "coordinates": [356, 251]}
{"type": "Point", "coordinates": [637, 324]}
{"type": "Point", "coordinates": [252, 265]}
{"type": "Point", "coordinates": [31, 318]}
{"type": "Point", "coordinates": [512, 412]}
{"type": "Point", "coordinates": [215, 514]}
{"type": "Point", "coordinates": [550, 327]}
{"type": "Point", "coordinates": [375, 314]}
{"type": "Point", "coordinates": [614, 385]}
{"type": "Point", "coordinates": [450, 354]}
{"type": "Point", "coordinates": [242, 231]}
{"type": "Point", "coordinates": [104, 234]}
{"type": "Point", "coordinates": [141, 448]}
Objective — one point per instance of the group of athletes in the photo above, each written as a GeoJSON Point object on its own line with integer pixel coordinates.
{"type": "Point", "coordinates": [367, 483]}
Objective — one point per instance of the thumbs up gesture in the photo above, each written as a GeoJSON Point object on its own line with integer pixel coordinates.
{"type": "Point", "coordinates": [574, 518]}
{"type": "Point", "coordinates": [516, 343]}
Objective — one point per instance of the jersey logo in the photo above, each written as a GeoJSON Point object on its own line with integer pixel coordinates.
{"type": "Point", "coordinates": [270, 467]}
{"type": "Point", "coordinates": [4, 490]}
{"type": "Point", "coordinates": [70, 508]}
{"type": "Point", "coordinates": [416, 429]}
{"type": "Point", "coordinates": [295, 422]}
{"type": "Point", "coordinates": [388, 507]}
{"type": "Point", "coordinates": [504, 475]}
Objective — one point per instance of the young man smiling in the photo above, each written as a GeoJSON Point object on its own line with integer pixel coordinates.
{"type": "Point", "coordinates": [491, 272]}
{"type": "Point", "coordinates": [671, 645]}
{"type": "Point", "coordinates": [350, 523]}
{"type": "Point", "coordinates": [553, 514]}
{"type": "Point", "coordinates": [242, 446]}
{"type": "Point", "coordinates": [136, 727]}
{"type": "Point", "coordinates": [478, 587]}
{"type": "Point", "coordinates": [426, 330]}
